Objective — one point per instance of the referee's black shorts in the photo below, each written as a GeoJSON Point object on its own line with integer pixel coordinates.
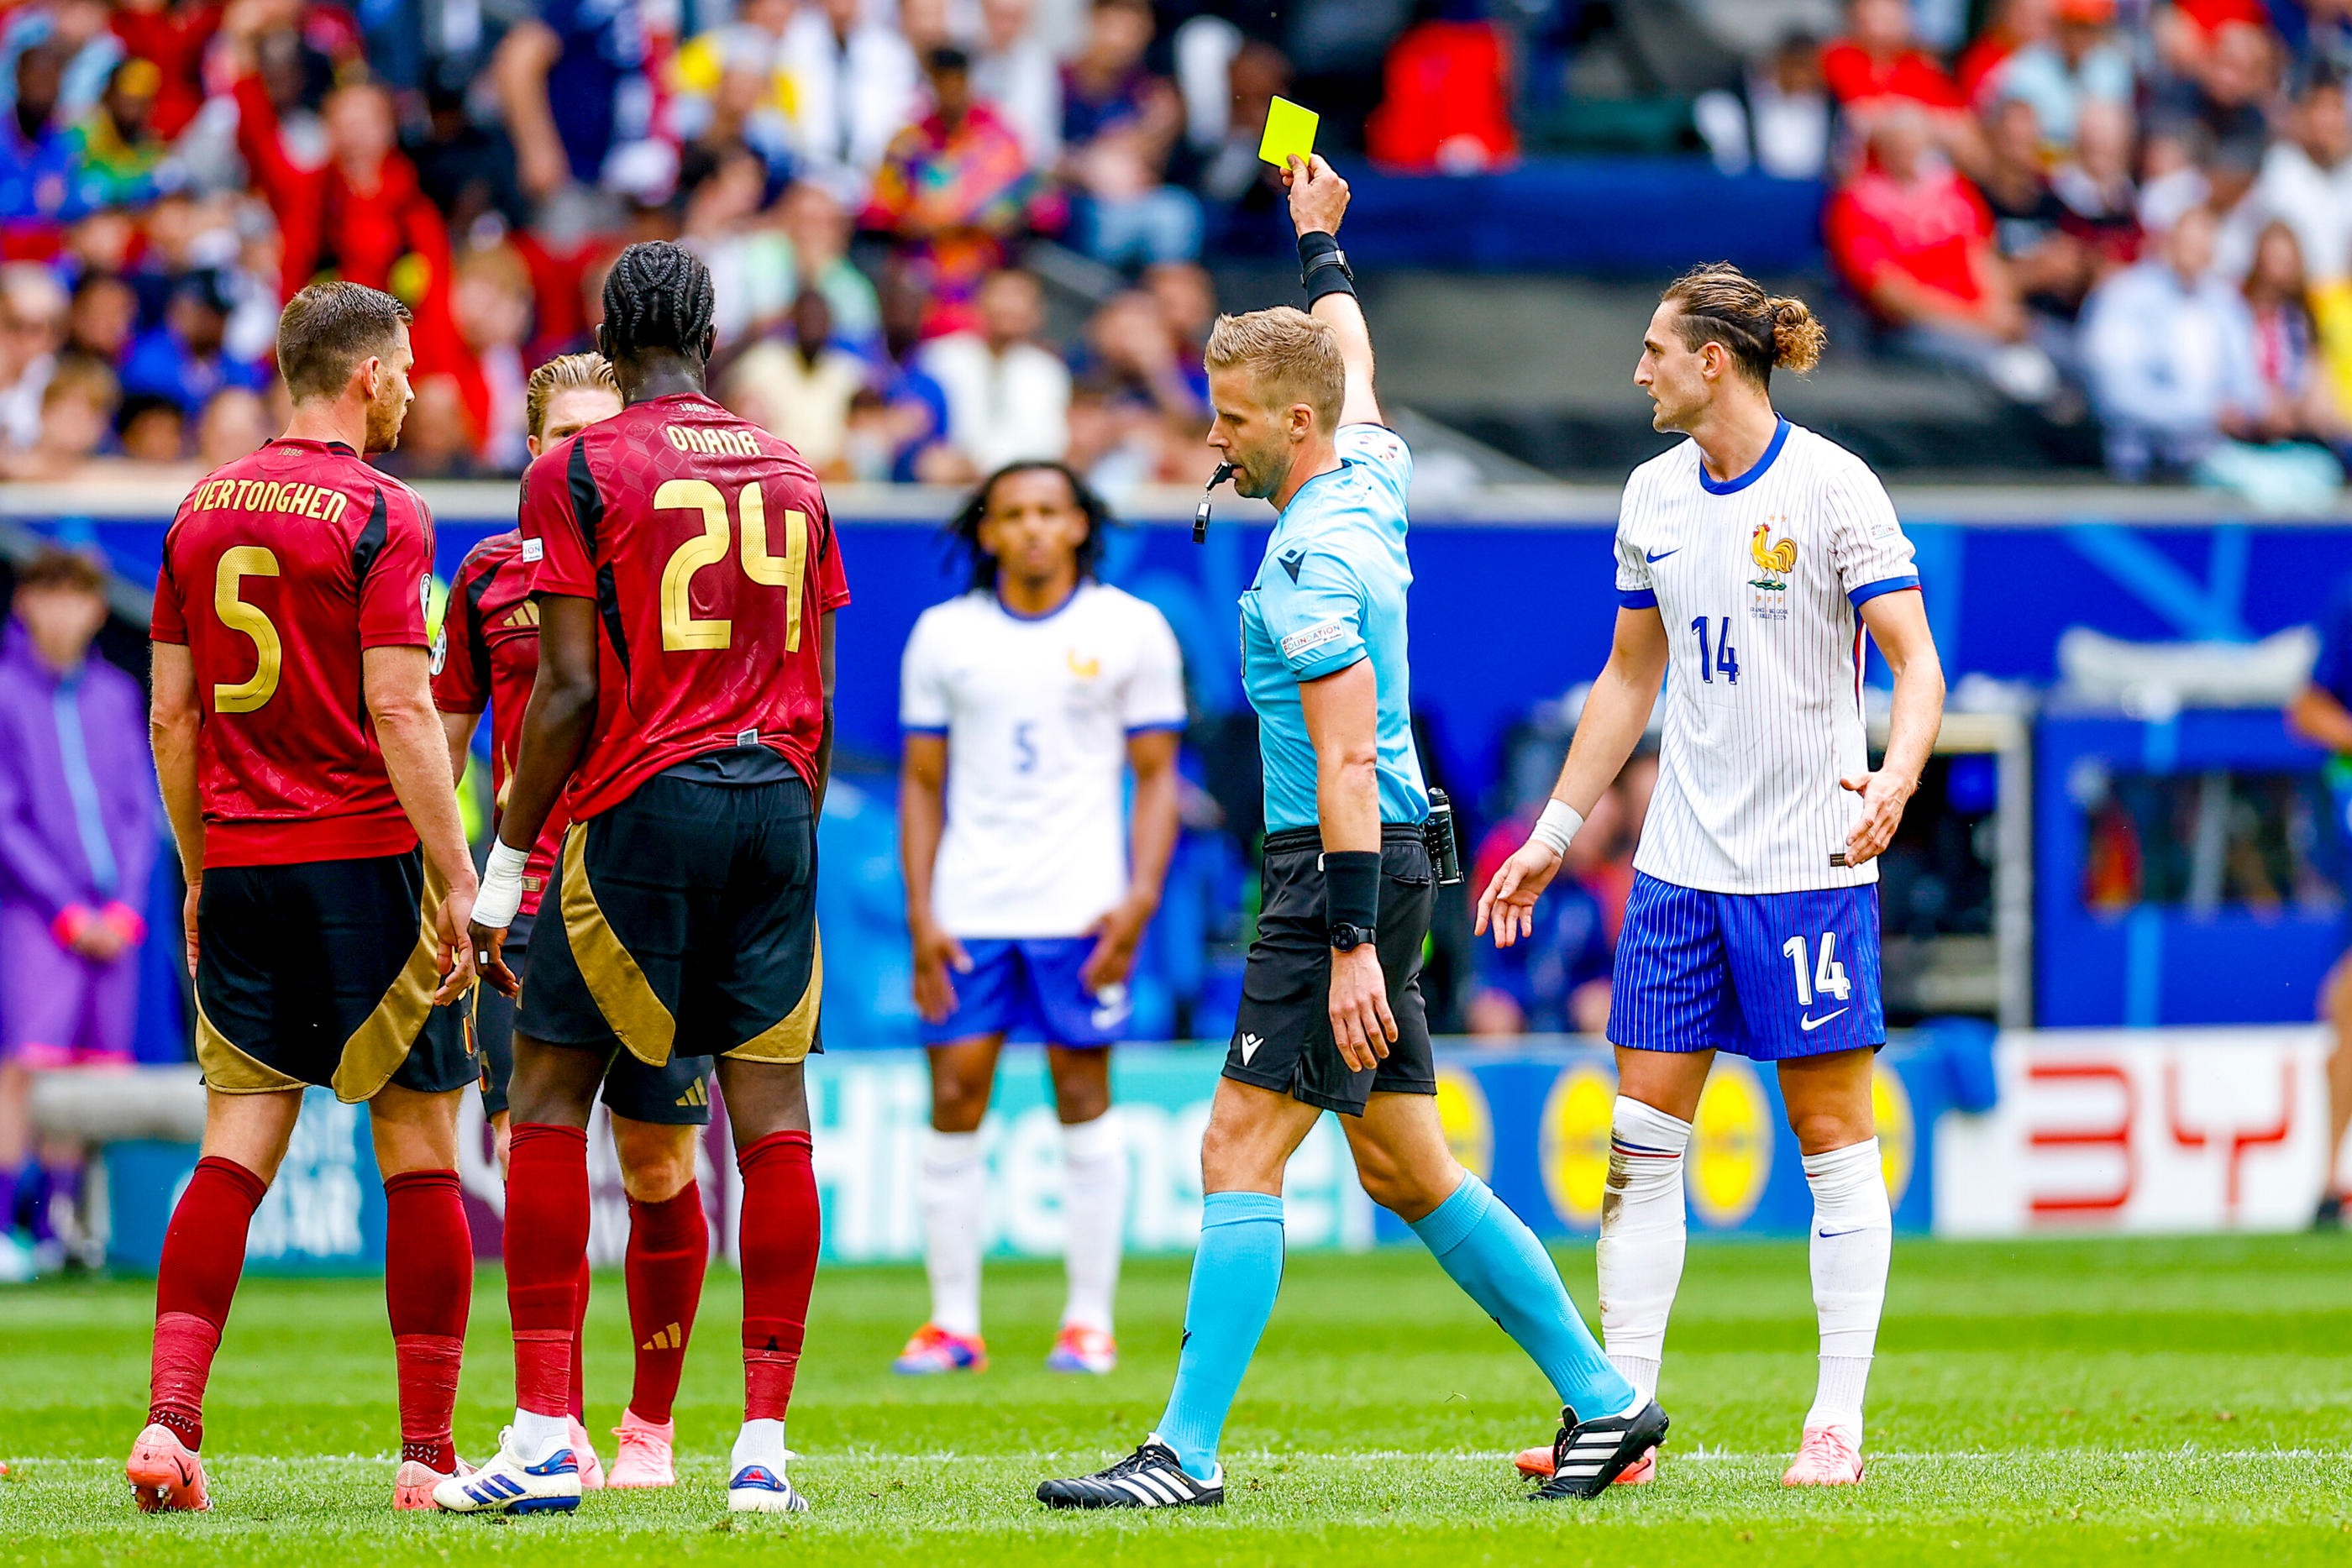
{"type": "Point", "coordinates": [1282, 1039]}
{"type": "Point", "coordinates": [683, 921]}
{"type": "Point", "coordinates": [676, 1094]}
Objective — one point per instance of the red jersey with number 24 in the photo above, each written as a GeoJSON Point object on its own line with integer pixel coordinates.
{"type": "Point", "coordinates": [706, 545]}
{"type": "Point", "coordinates": [279, 571]}
{"type": "Point", "coordinates": [489, 658]}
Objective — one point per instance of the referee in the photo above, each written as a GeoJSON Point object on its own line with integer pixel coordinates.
{"type": "Point", "coordinates": [1331, 1015]}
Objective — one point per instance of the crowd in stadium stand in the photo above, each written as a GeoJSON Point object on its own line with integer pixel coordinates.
{"type": "Point", "coordinates": [2141, 209]}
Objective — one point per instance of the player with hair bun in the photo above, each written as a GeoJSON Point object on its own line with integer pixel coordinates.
{"type": "Point", "coordinates": [1751, 561]}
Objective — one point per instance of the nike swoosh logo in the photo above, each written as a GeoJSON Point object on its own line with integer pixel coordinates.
{"type": "Point", "coordinates": [1810, 1023]}
{"type": "Point", "coordinates": [1664, 554]}
{"type": "Point", "coordinates": [1833, 1235]}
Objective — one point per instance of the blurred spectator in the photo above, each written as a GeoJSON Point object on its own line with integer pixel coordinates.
{"type": "Point", "coordinates": [100, 322]}
{"type": "Point", "coordinates": [1007, 396]}
{"type": "Point", "coordinates": [736, 81]}
{"type": "Point", "coordinates": [914, 417]}
{"type": "Point", "coordinates": [2013, 26]}
{"type": "Point", "coordinates": [466, 168]}
{"type": "Point", "coordinates": [362, 213]}
{"type": "Point", "coordinates": [436, 440]}
{"type": "Point", "coordinates": [2316, 34]}
{"type": "Point", "coordinates": [2102, 202]}
{"type": "Point", "coordinates": [492, 302]}
{"type": "Point", "coordinates": [2169, 350]}
{"type": "Point", "coordinates": [152, 429]}
{"type": "Point", "coordinates": [1781, 123]}
{"type": "Point", "coordinates": [32, 331]}
{"type": "Point", "coordinates": [816, 232]}
{"type": "Point", "coordinates": [1119, 123]}
{"type": "Point", "coordinates": [800, 388]}
{"type": "Point", "coordinates": [76, 414]}
{"type": "Point", "coordinates": [172, 36]}
{"type": "Point", "coordinates": [2050, 267]}
{"type": "Point", "coordinates": [1878, 66]}
{"type": "Point", "coordinates": [856, 86]}
{"type": "Point", "coordinates": [2082, 61]}
{"type": "Point", "coordinates": [1446, 103]}
{"type": "Point", "coordinates": [2223, 95]}
{"type": "Point", "coordinates": [2298, 397]}
{"type": "Point", "coordinates": [236, 423]}
{"type": "Point", "coordinates": [118, 161]}
{"type": "Point", "coordinates": [77, 32]}
{"type": "Point", "coordinates": [2306, 180]}
{"type": "Point", "coordinates": [1013, 72]}
{"type": "Point", "coordinates": [1552, 981]}
{"type": "Point", "coordinates": [1114, 443]}
{"type": "Point", "coordinates": [1134, 355]}
{"type": "Point", "coordinates": [1914, 241]}
{"type": "Point", "coordinates": [78, 837]}
{"type": "Point", "coordinates": [37, 155]}
{"type": "Point", "coordinates": [954, 188]}
{"type": "Point", "coordinates": [1240, 189]}
{"type": "Point", "coordinates": [572, 81]}
{"type": "Point", "coordinates": [183, 358]}
{"type": "Point", "coordinates": [749, 265]}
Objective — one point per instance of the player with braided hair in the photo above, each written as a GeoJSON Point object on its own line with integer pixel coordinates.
{"type": "Point", "coordinates": [685, 572]}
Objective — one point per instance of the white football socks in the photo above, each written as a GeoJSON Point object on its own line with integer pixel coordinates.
{"type": "Point", "coordinates": [955, 1212]}
{"type": "Point", "coordinates": [536, 1438]}
{"type": "Point", "coordinates": [1641, 1238]}
{"type": "Point", "coordinates": [1852, 1242]}
{"type": "Point", "coordinates": [1094, 1201]}
{"type": "Point", "coordinates": [759, 1443]}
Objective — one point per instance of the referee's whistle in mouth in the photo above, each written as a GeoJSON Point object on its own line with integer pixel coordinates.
{"type": "Point", "coordinates": [1200, 513]}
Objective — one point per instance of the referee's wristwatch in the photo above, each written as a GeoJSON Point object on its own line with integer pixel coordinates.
{"type": "Point", "coordinates": [1347, 938]}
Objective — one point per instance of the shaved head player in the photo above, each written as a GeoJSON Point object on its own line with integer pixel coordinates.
{"type": "Point", "coordinates": [301, 765]}
{"type": "Point", "coordinates": [685, 572]}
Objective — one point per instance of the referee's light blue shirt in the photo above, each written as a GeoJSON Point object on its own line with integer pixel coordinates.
{"type": "Point", "coordinates": [1330, 591]}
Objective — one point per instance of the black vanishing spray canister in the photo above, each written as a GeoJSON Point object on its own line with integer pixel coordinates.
{"type": "Point", "coordinates": [1437, 831]}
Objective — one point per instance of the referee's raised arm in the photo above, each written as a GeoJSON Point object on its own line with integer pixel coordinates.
{"type": "Point", "coordinates": [1318, 200]}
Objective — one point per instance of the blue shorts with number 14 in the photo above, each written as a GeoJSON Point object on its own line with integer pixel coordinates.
{"type": "Point", "coordinates": [1768, 975]}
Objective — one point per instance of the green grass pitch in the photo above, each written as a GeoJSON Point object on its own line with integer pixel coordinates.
{"type": "Point", "coordinates": [2047, 1403]}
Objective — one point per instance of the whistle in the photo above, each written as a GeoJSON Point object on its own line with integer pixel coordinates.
{"type": "Point", "coordinates": [1200, 513]}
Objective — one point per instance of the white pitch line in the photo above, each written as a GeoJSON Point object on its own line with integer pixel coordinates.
{"type": "Point", "coordinates": [1385, 1456]}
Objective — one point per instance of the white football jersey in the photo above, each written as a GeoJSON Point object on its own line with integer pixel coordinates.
{"type": "Point", "coordinates": [1758, 579]}
{"type": "Point", "coordinates": [1037, 715]}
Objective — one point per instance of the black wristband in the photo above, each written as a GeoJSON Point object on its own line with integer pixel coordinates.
{"type": "Point", "coordinates": [1351, 887]}
{"type": "Point", "coordinates": [1323, 268]}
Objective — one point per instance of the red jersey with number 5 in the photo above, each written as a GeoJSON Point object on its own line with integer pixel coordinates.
{"type": "Point", "coordinates": [706, 545]}
{"type": "Point", "coordinates": [280, 569]}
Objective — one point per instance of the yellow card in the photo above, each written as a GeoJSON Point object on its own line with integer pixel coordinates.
{"type": "Point", "coordinates": [1289, 128]}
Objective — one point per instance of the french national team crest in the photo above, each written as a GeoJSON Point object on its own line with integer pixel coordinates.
{"type": "Point", "coordinates": [1774, 560]}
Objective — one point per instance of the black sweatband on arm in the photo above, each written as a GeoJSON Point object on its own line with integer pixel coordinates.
{"type": "Point", "coordinates": [1323, 268]}
{"type": "Point", "coordinates": [1352, 888]}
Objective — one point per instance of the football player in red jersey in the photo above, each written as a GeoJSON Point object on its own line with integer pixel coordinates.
{"type": "Point", "coordinates": [301, 765]}
{"type": "Point", "coordinates": [488, 656]}
{"type": "Point", "coordinates": [683, 711]}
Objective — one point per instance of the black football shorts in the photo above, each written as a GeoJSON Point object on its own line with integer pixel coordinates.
{"type": "Point", "coordinates": [1282, 1037]}
{"type": "Point", "coordinates": [323, 972]}
{"type": "Point", "coordinates": [685, 917]}
{"type": "Point", "coordinates": [676, 1095]}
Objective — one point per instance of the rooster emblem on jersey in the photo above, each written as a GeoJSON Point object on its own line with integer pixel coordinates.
{"type": "Point", "coordinates": [1775, 560]}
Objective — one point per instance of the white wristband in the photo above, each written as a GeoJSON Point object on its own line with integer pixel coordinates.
{"type": "Point", "coordinates": [501, 893]}
{"type": "Point", "coordinates": [1556, 826]}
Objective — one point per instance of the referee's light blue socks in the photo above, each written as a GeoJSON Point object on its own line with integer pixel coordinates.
{"type": "Point", "coordinates": [1236, 1273]}
{"type": "Point", "coordinates": [1497, 1260]}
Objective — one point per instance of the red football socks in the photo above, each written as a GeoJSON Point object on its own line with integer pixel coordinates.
{"type": "Point", "coordinates": [204, 1253]}
{"type": "Point", "coordinates": [546, 1240]}
{"type": "Point", "coordinates": [428, 1286]}
{"type": "Point", "coordinates": [670, 1247]}
{"type": "Point", "coordinates": [781, 1230]}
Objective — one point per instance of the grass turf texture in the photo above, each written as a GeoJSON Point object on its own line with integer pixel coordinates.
{"type": "Point", "coordinates": [2049, 1403]}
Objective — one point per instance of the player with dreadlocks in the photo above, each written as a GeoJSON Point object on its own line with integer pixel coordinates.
{"type": "Point", "coordinates": [686, 571]}
{"type": "Point", "coordinates": [1026, 894]}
